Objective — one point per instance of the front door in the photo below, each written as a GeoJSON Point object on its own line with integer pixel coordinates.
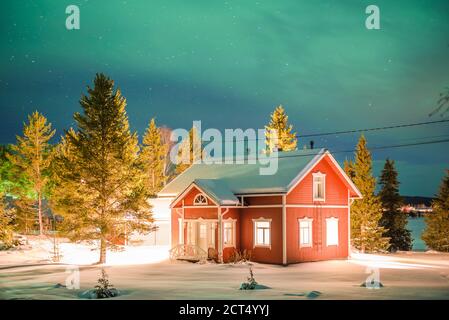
{"type": "Point", "coordinates": [202, 235]}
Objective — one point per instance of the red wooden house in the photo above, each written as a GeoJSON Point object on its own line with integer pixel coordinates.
{"type": "Point", "coordinates": [301, 213]}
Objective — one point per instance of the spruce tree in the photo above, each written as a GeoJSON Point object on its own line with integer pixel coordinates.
{"type": "Point", "coordinates": [348, 167]}
{"type": "Point", "coordinates": [436, 234]}
{"type": "Point", "coordinates": [366, 233]}
{"type": "Point", "coordinates": [99, 188]}
{"type": "Point", "coordinates": [31, 157]}
{"type": "Point", "coordinates": [393, 220]}
{"type": "Point", "coordinates": [278, 133]}
{"type": "Point", "coordinates": [7, 182]}
{"type": "Point", "coordinates": [6, 227]}
{"type": "Point", "coordinates": [153, 158]}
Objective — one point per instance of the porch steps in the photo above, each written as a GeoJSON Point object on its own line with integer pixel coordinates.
{"type": "Point", "coordinates": [188, 252]}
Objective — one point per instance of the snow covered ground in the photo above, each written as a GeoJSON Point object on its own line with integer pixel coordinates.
{"type": "Point", "coordinates": [142, 273]}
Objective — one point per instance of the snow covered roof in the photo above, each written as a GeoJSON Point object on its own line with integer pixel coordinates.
{"type": "Point", "coordinates": [245, 178]}
{"type": "Point", "coordinates": [217, 190]}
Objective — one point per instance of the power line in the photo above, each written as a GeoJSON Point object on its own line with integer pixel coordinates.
{"type": "Point", "coordinates": [286, 155]}
{"type": "Point", "coordinates": [320, 134]}
{"type": "Point", "coordinates": [373, 129]}
{"type": "Point", "coordinates": [376, 148]}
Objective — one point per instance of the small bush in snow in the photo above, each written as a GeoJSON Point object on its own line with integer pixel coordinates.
{"type": "Point", "coordinates": [104, 289]}
{"type": "Point", "coordinates": [251, 283]}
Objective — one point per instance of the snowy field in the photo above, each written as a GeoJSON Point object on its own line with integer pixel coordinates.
{"type": "Point", "coordinates": [145, 273]}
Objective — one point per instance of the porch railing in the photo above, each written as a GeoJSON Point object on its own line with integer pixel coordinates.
{"type": "Point", "coordinates": [187, 252]}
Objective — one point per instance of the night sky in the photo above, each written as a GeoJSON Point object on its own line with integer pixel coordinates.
{"type": "Point", "coordinates": [229, 63]}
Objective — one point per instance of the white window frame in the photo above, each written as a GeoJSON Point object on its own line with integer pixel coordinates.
{"type": "Point", "coordinates": [195, 203]}
{"type": "Point", "coordinates": [310, 232]}
{"type": "Point", "coordinates": [232, 222]}
{"type": "Point", "coordinates": [334, 222]}
{"type": "Point", "coordinates": [255, 243]}
{"type": "Point", "coordinates": [315, 186]}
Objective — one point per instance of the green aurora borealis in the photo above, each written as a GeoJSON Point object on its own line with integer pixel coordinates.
{"type": "Point", "coordinates": [229, 63]}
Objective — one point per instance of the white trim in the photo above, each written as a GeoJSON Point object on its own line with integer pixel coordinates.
{"type": "Point", "coordinates": [233, 223]}
{"type": "Point", "coordinates": [284, 230]}
{"type": "Point", "coordinates": [310, 244]}
{"type": "Point", "coordinates": [309, 167]}
{"type": "Point", "coordinates": [343, 173]}
{"type": "Point", "coordinates": [315, 185]}
{"type": "Point", "coordinates": [220, 235]}
{"type": "Point", "coordinates": [180, 231]}
{"type": "Point", "coordinates": [333, 206]}
{"type": "Point", "coordinates": [349, 224]}
{"type": "Point", "coordinates": [303, 173]}
{"type": "Point", "coordinates": [186, 191]}
{"type": "Point", "coordinates": [259, 194]}
{"type": "Point", "coordinates": [255, 245]}
{"type": "Point", "coordinates": [333, 220]}
{"type": "Point", "coordinates": [200, 204]}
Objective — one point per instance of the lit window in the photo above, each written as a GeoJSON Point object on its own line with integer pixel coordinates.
{"type": "Point", "coordinates": [200, 200]}
{"type": "Point", "coordinates": [262, 233]}
{"type": "Point", "coordinates": [305, 232]}
{"type": "Point", "coordinates": [228, 233]}
{"type": "Point", "coordinates": [332, 231]}
{"type": "Point", "coordinates": [318, 186]}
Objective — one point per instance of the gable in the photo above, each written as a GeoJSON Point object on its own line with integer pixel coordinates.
{"type": "Point", "coordinates": [189, 196]}
{"type": "Point", "coordinates": [337, 183]}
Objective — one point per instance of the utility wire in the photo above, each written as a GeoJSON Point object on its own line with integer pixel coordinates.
{"type": "Point", "coordinates": [286, 155]}
{"type": "Point", "coordinates": [320, 134]}
{"type": "Point", "coordinates": [372, 129]}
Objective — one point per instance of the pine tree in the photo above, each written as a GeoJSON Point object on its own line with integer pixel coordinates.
{"type": "Point", "coordinates": [153, 158]}
{"type": "Point", "coordinates": [436, 234]}
{"type": "Point", "coordinates": [190, 151]}
{"type": "Point", "coordinates": [31, 157]}
{"type": "Point", "coordinates": [348, 167]}
{"type": "Point", "coordinates": [393, 220]}
{"type": "Point", "coordinates": [6, 227]}
{"type": "Point", "coordinates": [278, 133]}
{"type": "Point", "coordinates": [99, 187]}
{"type": "Point", "coordinates": [7, 183]}
{"type": "Point", "coordinates": [366, 233]}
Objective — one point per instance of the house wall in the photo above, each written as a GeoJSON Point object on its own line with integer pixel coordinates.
{"type": "Point", "coordinates": [336, 194]}
{"type": "Point", "coordinates": [258, 200]}
{"type": "Point", "coordinates": [319, 249]}
{"type": "Point", "coordinates": [190, 196]}
{"type": "Point", "coordinates": [228, 252]}
{"type": "Point", "coordinates": [336, 191]}
{"type": "Point", "coordinates": [261, 254]}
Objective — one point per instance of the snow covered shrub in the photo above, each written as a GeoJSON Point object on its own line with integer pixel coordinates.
{"type": "Point", "coordinates": [104, 289]}
{"type": "Point", "coordinates": [239, 256]}
{"type": "Point", "coordinates": [250, 283]}
{"type": "Point", "coordinates": [212, 254]}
